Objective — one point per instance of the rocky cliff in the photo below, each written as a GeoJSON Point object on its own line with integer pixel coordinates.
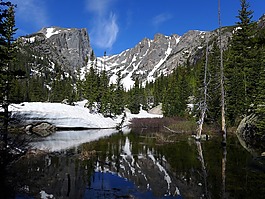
{"type": "Point", "coordinates": [68, 47]}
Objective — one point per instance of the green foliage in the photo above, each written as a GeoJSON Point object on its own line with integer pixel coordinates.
{"type": "Point", "coordinates": [119, 94]}
{"type": "Point", "coordinates": [102, 97]}
{"type": "Point", "coordinates": [176, 94]}
{"type": "Point", "coordinates": [260, 99]}
{"type": "Point", "coordinates": [90, 87]}
{"type": "Point", "coordinates": [240, 69]}
{"type": "Point", "coordinates": [134, 103]}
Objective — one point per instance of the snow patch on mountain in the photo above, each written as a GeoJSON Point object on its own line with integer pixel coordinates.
{"type": "Point", "coordinates": [143, 61]}
{"type": "Point", "coordinates": [51, 31]}
{"type": "Point", "coordinates": [150, 76]}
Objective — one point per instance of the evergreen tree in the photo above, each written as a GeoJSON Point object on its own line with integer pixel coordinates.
{"type": "Point", "coordinates": [214, 102]}
{"type": "Point", "coordinates": [7, 49]}
{"type": "Point", "coordinates": [91, 87]}
{"type": "Point", "coordinates": [135, 98]}
{"type": "Point", "coordinates": [104, 94]}
{"type": "Point", "coordinates": [119, 96]}
{"type": "Point", "coordinates": [260, 99]}
{"type": "Point", "coordinates": [176, 94]}
{"type": "Point", "coordinates": [240, 71]}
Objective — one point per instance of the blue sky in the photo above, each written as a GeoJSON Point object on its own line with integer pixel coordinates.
{"type": "Point", "coordinates": [116, 25]}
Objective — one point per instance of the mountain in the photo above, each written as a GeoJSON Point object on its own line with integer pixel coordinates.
{"type": "Point", "coordinates": [68, 47]}
{"type": "Point", "coordinates": [152, 57]}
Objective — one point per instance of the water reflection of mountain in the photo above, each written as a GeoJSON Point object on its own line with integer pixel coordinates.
{"type": "Point", "coordinates": [149, 171]}
{"type": "Point", "coordinates": [138, 166]}
{"type": "Point", "coordinates": [68, 174]}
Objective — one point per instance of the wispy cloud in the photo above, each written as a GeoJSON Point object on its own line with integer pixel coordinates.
{"type": "Point", "coordinates": [105, 32]}
{"type": "Point", "coordinates": [161, 18]}
{"type": "Point", "coordinates": [32, 12]}
{"type": "Point", "coordinates": [105, 26]}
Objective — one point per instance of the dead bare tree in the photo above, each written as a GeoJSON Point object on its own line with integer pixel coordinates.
{"type": "Point", "coordinates": [203, 104]}
{"type": "Point", "coordinates": [221, 75]}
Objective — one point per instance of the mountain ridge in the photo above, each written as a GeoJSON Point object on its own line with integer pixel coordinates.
{"type": "Point", "coordinates": [150, 58]}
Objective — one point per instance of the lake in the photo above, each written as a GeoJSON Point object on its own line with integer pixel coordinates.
{"type": "Point", "coordinates": [108, 164]}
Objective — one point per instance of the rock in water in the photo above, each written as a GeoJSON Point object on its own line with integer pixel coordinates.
{"type": "Point", "coordinates": [43, 129]}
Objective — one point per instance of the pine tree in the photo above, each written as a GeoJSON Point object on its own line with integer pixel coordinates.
{"type": "Point", "coordinates": [260, 99]}
{"type": "Point", "coordinates": [119, 96]}
{"type": "Point", "coordinates": [240, 85]}
{"type": "Point", "coordinates": [7, 49]}
{"type": "Point", "coordinates": [176, 94]}
{"type": "Point", "coordinates": [134, 103]}
{"type": "Point", "coordinates": [214, 113]}
{"type": "Point", "coordinates": [91, 88]}
{"type": "Point", "coordinates": [104, 93]}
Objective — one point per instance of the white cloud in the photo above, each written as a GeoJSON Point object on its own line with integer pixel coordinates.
{"type": "Point", "coordinates": [105, 27]}
{"type": "Point", "coordinates": [105, 32]}
{"type": "Point", "coordinates": [32, 12]}
{"type": "Point", "coordinates": [161, 18]}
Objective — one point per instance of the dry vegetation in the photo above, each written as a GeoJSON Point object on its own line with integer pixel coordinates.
{"type": "Point", "coordinates": [174, 125]}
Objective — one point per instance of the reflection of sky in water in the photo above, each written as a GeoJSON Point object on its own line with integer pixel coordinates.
{"type": "Point", "coordinates": [109, 185]}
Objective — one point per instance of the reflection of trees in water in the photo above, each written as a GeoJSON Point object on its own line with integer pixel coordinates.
{"type": "Point", "coordinates": [63, 175]}
{"type": "Point", "coordinates": [204, 172]}
{"type": "Point", "coordinates": [144, 162]}
{"type": "Point", "coordinates": [12, 148]}
{"type": "Point", "coordinates": [203, 169]}
{"type": "Point", "coordinates": [223, 172]}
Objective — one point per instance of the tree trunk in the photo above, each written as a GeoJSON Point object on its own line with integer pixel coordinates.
{"type": "Point", "coordinates": [5, 121]}
{"type": "Point", "coordinates": [203, 106]}
{"type": "Point", "coordinates": [222, 75]}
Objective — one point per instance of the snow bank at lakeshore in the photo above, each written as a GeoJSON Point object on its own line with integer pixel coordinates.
{"type": "Point", "coordinates": [66, 116]}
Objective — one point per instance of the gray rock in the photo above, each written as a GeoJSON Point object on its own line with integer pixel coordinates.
{"type": "Point", "coordinates": [68, 47]}
{"type": "Point", "coordinates": [246, 133]}
{"type": "Point", "coordinates": [43, 129]}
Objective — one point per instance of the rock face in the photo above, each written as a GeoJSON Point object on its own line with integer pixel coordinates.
{"type": "Point", "coordinates": [151, 58]}
{"type": "Point", "coordinates": [261, 22]}
{"type": "Point", "coordinates": [247, 134]}
{"type": "Point", "coordinates": [68, 47]}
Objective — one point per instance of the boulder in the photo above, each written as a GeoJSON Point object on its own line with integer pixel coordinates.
{"type": "Point", "coordinates": [43, 129]}
{"type": "Point", "coordinates": [247, 134]}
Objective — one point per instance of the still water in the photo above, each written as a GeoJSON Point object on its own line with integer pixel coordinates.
{"type": "Point", "coordinates": [83, 164]}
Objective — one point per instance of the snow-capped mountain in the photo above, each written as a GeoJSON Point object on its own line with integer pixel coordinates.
{"type": "Point", "coordinates": [152, 57]}
{"type": "Point", "coordinates": [70, 49]}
